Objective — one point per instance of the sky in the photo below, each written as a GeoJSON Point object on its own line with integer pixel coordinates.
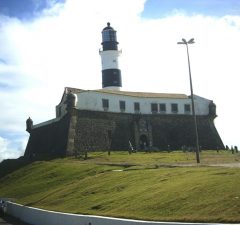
{"type": "Point", "coordinates": [46, 45]}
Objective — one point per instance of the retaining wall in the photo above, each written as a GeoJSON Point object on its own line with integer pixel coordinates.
{"type": "Point", "coordinates": [36, 216]}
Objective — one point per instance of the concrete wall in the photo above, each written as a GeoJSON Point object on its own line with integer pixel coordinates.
{"type": "Point", "coordinates": [43, 217]}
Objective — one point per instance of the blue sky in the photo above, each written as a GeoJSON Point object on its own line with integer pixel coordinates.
{"type": "Point", "coordinates": [159, 8]}
{"type": "Point", "coordinates": [29, 9]}
{"type": "Point", "coordinates": [46, 45]}
{"type": "Point", "coordinates": [25, 9]}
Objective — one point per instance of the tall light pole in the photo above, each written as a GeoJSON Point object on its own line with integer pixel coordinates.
{"type": "Point", "coordinates": [184, 42]}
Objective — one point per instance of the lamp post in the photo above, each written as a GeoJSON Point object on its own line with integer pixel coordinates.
{"type": "Point", "coordinates": [184, 42]}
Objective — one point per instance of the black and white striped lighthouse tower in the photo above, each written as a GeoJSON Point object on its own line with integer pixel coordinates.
{"type": "Point", "coordinates": [111, 74]}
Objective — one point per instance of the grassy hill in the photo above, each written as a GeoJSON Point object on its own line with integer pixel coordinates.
{"type": "Point", "coordinates": [149, 186]}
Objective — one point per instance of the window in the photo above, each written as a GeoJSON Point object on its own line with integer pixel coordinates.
{"type": "Point", "coordinates": [105, 35]}
{"type": "Point", "coordinates": [105, 104]}
{"type": "Point", "coordinates": [109, 35]}
{"type": "Point", "coordinates": [154, 107]}
{"type": "Point", "coordinates": [136, 107]}
{"type": "Point", "coordinates": [187, 108]}
{"type": "Point", "coordinates": [122, 105]}
{"type": "Point", "coordinates": [174, 108]}
{"type": "Point", "coordinates": [162, 108]}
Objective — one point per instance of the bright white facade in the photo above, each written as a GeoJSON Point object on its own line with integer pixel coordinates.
{"type": "Point", "coordinates": [134, 102]}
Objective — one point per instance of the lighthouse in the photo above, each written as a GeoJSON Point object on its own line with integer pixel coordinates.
{"type": "Point", "coordinates": [111, 74]}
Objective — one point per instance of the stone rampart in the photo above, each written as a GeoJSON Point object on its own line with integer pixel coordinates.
{"type": "Point", "coordinates": [163, 131]}
{"type": "Point", "coordinates": [49, 139]}
{"type": "Point", "coordinates": [82, 130]}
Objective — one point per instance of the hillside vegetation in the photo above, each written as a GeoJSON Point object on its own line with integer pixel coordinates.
{"type": "Point", "coordinates": [149, 186]}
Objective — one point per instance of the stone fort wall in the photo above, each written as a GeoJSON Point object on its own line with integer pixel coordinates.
{"type": "Point", "coordinates": [49, 139]}
{"type": "Point", "coordinates": [82, 130]}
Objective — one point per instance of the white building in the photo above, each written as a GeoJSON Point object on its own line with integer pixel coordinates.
{"type": "Point", "coordinates": [133, 102]}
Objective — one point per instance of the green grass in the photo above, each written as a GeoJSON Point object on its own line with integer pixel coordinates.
{"type": "Point", "coordinates": [148, 187]}
{"type": "Point", "coordinates": [207, 157]}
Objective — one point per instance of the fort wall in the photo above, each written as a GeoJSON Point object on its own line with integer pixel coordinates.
{"type": "Point", "coordinates": [115, 130]}
{"type": "Point", "coordinates": [83, 130]}
{"type": "Point", "coordinates": [51, 138]}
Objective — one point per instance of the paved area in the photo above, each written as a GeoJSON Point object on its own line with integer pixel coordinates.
{"type": "Point", "coordinates": [7, 220]}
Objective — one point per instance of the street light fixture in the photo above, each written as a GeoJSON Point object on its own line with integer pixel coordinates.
{"type": "Point", "coordinates": [184, 42]}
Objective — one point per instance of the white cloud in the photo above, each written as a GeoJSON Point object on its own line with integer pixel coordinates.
{"type": "Point", "coordinates": [11, 149]}
{"type": "Point", "coordinates": [61, 49]}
